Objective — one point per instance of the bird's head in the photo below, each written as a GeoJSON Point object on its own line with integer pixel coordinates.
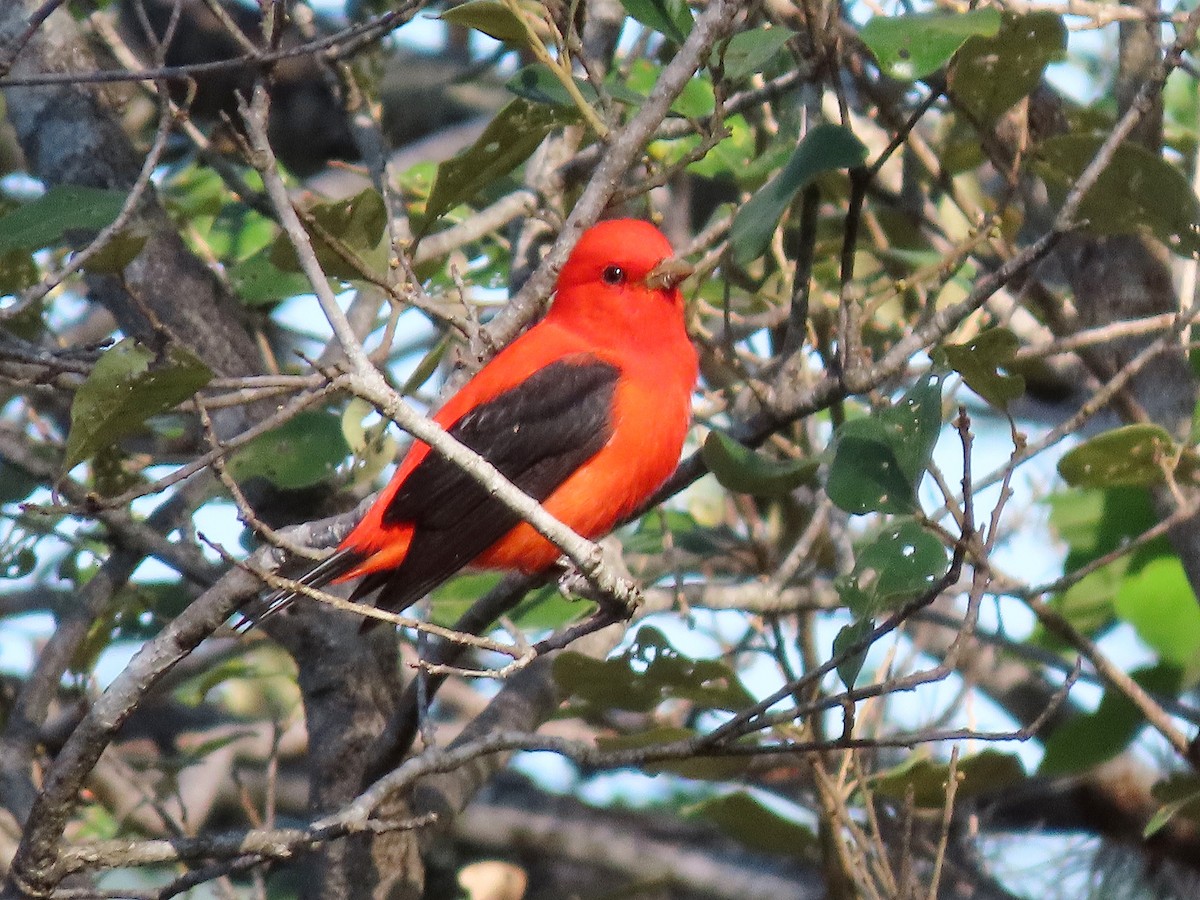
{"type": "Point", "coordinates": [626, 262]}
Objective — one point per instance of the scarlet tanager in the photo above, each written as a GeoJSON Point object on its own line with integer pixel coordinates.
{"type": "Point", "coordinates": [586, 412]}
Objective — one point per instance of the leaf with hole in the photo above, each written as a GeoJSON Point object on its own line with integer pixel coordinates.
{"type": "Point", "coordinates": [649, 672]}
{"type": "Point", "coordinates": [912, 46]}
{"type": "Point", "coordinates": [990, 74]}
{"type": "Point", "coordinates": [979, 362]}
{"type": "Point", "coordinates": [1129, 456]}
{"type": "Point", "coordinates": [509, 139]}
{"type": "Point", "coordinates": [879, 461]}
{"type": "Point", "coordinates": [1137, 191]}
{"type": "Point", "coordinates": [900, 564]}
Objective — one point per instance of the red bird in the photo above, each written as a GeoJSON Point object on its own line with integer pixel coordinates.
{"type": "Point", "coordinates": [586, 412]}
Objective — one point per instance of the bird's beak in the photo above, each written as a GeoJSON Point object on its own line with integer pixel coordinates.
{"type": "Point", "coordinates": [668, 273]}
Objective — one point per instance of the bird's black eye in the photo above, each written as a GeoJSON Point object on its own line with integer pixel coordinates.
{"type": "Point", "coordinates": [613, 275]}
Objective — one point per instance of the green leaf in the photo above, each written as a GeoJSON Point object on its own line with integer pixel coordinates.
{"type": "Point", "coordinates": [1129, 456]}
{"type": "Point", "coordinates": [648, 673]}
{"type": "Point", "coordinates": [979, 360]}
{"type": "Point", "coordinates": [491, 17]}
{"type": "Point", "coordinates": [711, 768]}
{"type": "Point", "coordinates": [118, 252]}
{"type": "Point", "coordinates": [259, 282]}
{"type": "Point", "coordinates": [64, 209]}
{"type": "Point", "coordinates": [18, 562]}
{"type": "Point", "coordinates": [1089, 739]}
{"type": "Point", "coordinates": [900, 564]}
{"type": "Point", "coordinates": [18, 270]}
{"type": "Point", "coordinates": [1180, 796]}
{"type": "Point", "coordinates": [358, 223]}
{"type": "Point", "coordinates": [913, 46]}
{"type": "Point", "coordinates": [983, 773]}
{"type": "Point", "coordinates": [823, 149]}
{"type": "Point", "coordinates": [456, 596]}
{"type": "Point", "coordinates": [128, 385]}
{"type": "Point", "coordinates": [1096, 522]}
{"type": "Point", "coordinates": [879, 461]}
{"type": "Point", "coordinates": [508, 141]}
{"type": "Point", "coordinates": [670, 18]}
{"type": "Point", "coordinates": [745, 819]}
{"type": "Point", "coordinates": [990, 74]}
{"type": "Point", "coordinates": [848, 636]}
{"type": "Point", "coordinates": [299, 453]}
{"type": "Point", "coordinates": [1138, 191]}
{"type": "Point", "coordinates": [537, 84]}
{"type": "Point", "coordinates": [749, 52]}
{"type": "Point", "coordinates": [1157, 600]}
{"type": "Point", "coordinates": [744, 471]}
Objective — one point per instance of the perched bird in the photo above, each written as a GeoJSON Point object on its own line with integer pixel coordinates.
{"type": "Point", "coordinates": [586, 412]}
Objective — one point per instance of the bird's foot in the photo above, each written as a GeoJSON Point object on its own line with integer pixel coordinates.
{"type": "Point", "coordinates": [606, 580]}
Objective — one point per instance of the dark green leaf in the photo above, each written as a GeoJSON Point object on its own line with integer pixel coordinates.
{"type": "Point", "coordinates": [357, 223]}
{"type": "Point", "coordinates": [879, 461]}
{"type": "Point", "coordinates": [118, 252]}
{"type": "Point", "coordinates": [60, 211]}
{"type": "Point", "coordinates": [300, 453]}
{"type": "Point", "coordinates": [849, 636]}
{"type": "Point", "coordinates": [712, 768]}
{"type": "Point", "coordinates": [18, 563]}
{"type": "Point", "coordinates": [744, 471]}
{"type": "Point", "coordinates": [979, 360]}
{"type": "Point", "coordinates": [1130, 456]}
{"type": "Point", "coordinates": [899, 565]}
{"type": "Point", "coordinates": [259, 282]}
{"type": "Point", "coordinates": [823, 149]}
{"type": "Point", "coordinates": [749, 52]}
{"type": "Point", "coordinates": [128, 385]}
{"type": "Point", "coordinates": [492, 18]}
{"type": "Point", "coordinates": [670, 18]}
{"type": "Point", "coordinates": [457, 595]}
{"type": "Point", "coordinates": [1087, 740]}
{"type": "Point", "coordinates": [537, 84]}
{"type": "Point", "coordinates": [1138, 191]}
{"type": "Point", "coordinates": [18, 270]}
{"type": "Point", "coordinates": [648, 673]}
{"type": "Point", "coordinates": [741, 816]}
{"type": "Point", "coordinates": [984, 773]}
{"type": "Point", "coordinates": [913, 46]}
{"type": "Point", "coordinates": [508, 141]}
{"type": "Point", "coordinates": [1180, 796]}
{"type": "Point", "coordinates": [990, 74]}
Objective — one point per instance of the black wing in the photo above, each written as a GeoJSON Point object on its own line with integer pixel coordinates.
{"type": "Point", "coordinates": [536, 434]}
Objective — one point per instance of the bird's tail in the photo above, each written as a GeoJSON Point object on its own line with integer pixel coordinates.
{"type": "Point", "coordinates": [328, 570]}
